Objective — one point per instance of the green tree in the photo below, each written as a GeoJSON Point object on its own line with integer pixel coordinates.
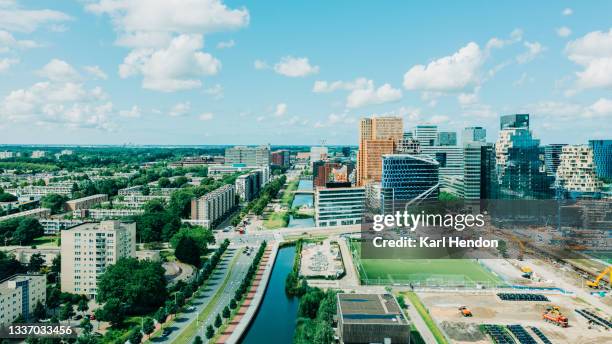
{"type": "Point", "coordinates": [161, 315]}
{"type": "Point", "coordinates": [188, 251]}
{"type": "Point", "coordinates": [29, 229]}
{"type": "Point", "coordinates": [36, 262]}
{"type": "Point", "coordinates": [113, 311]}
{"type": "Point", "coordinates": [56, 264]}
{"type": "Point", "coordinates": [135, 336]}
{"type": "Point", "coordinates": [233, 304]}
{"type": "Point", "coordinates": [82, 306]}
{"type": "Point", "coordinates": [9, 265]}
{"type": "Point", "coordinates": [218, 321]}
{"type": "Point", "coordinates": [39, 311]}
{"type": "Point", "coordinates": [54, 202]}
{"type": "Point", "coordinates": [86, 325]}
{"type": "Point", "coordinates": [66, 312]}
{"type": "Point", "coordinates": [7, 197]}
{"type": "Point", "coordinates": [226, 312]}
{"type": "Point", "coordinates": [198, 340]}
{"type": "Point", "coordinates": [148, 326]}
{"type": "Point", "coordinates": [210, 331]}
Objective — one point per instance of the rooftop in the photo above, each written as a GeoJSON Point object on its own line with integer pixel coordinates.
{"type": "Point", "coordinates": [370, 309]}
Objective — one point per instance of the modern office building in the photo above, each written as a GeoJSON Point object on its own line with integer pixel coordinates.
{"type": "Point", "coordinates": [449, 157]}
{"type": "Point", "coordinates": [409, 146]}
{"type": "Point", "coordinates": [336, 206]}
{"type": "Point", "coordinates": [427, 135]}
{"type": "Point", "coordinates": [280, 158]}
{"type": "Point", "coordinates": [248, 185]}
{"type": "Point", "coordinates": [514, 121]}
{"type": "Point", "coordinates": [473, 134]}
{"type": "Point", "coordinates": [602, 153]}
{"type": "Point", "coordinates": [576, 172]}
{"type": "Point", "coordinates": [377, 136]}
{"type": "Point", "coordinates": [211, 207]}
{"type": "Point", "coordinates": [19, 295]}
{"type": "Point", "coordinates": [86, 202]}
{"type": "Point", "coordinates": [478, 167]}
{"type": "Point", "coordinates": [88, 249]}
{"type": "Point", "coordinates": [552, 157]}
{"type": "Point", "coordinates": [407, 177]}
{"type": "Point", "coordinates": [250, 156]}
{"type": "Point", "coordinates": [371, 318]}
{"type": "Point", "coordinates": [447, 138]}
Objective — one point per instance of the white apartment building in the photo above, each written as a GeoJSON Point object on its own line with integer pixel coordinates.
{"type": "Point", "coordinates": [37, 213]}
{"type": "Point", "coordinates": [38, 154]}
{"type": "Point", "coordinates": [39, 191]}
{"type": "Point", "coordinates": [88, 249]}
{"type": "Point", "coordinates": [6, 155]}
{"type": "Point", "coordinates": [339, 206]}
{"type": "Point", "coordinates": [19, 295]}
{"type": "Point", "coordinates": [214, 205]}
{"type": "Point", "coordinates": [576, 171]}
{"type": "Point", "coordinates": [103, 214]}
{"type": "Point", "coordinates": [54, 226]}
{"type": "Point", "coordinates": [138, 201]}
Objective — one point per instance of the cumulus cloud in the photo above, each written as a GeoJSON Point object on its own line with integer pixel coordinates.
{"type": "Point", "coordinates": [174, 68]}
{"type": "Point", "coordinates": [134, 112]}
{"type": "Point", "coordinates": [326, 87]}
{"type": "Point", "coordinates": [564, 31]}
{"type": "Point", "coordinates": [370, 95]}
{"type": "Point", "coordinates": [6, 63]}
{"type": "Point", "coordinates": [207, 116]}
{"type": "Point", "coordinates": [96, 72]}
{"type": "Point", "coordinates": [9, 42]}
{"type": "Point", "coordinates": [180, 109]}
{"type": "Point", "coordinates": [295, 67]}
{"type": "Point", "coordinates": [281, 109]}
{"type": "Point", "coordinates": [60, 71]}
{"type": "Point", "coordinates": [215, 91]}
{"type": "Point", "coordinates": [226, 44]}
{"type": "Point", "coordinates": [456, 72]}
{"type": "Point", "coordinates": [15, 18]}
{"type": "Point", "coordinates": [593, 52]}
{"type": "Point", "coordinates": [533, 50]}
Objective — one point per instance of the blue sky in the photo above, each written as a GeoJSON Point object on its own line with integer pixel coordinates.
{"type": "Point", "coordinates": [255, 72]}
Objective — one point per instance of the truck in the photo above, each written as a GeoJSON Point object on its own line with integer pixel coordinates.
{"type": "Point", "coordinates": [466, 312]}
{"type": "Point", "coordinates": [553, 315]}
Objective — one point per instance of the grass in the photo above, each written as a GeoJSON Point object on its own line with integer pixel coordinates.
{"type": "Point", "coordinates": [49, 240]}
{"type": "Point", "coordinates": [435, 330]}
{"type": "Point", "coordinates": [289, 193]}
{"type": "Point", "coordinates": [190, 330]}
{"type": "Point", "coordinates": [277, 220]}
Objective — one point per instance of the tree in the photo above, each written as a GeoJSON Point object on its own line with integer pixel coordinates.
{"type": "Point", "coordinates": [233, 304]}
{"type": "Point", "coordinates": [161, 315]}
{"type": "Point", "coordinates": [86, 325]}
{"type": "Point", "coordinates": [210, 331]}
{"type": "Point", "coordinates": [187, 251]}
{"type": "Point", "coordinates": [56, 264]}
{"type": "Point", "coordinates": [54, 202]}
{"type": "Point", "coordinates": [82, 306]}
{"type": "Point", "coordinates": [66, 312]}
{"type": "Point", "coordinates": [9, 265]}
{"type": "Point", "coordinates": [136, 336]}
{"type": "Point", "coordinates": [7, 197]}
{"type": "Point", "coordinates": [218, 321]}
{"type": "Point", "coordinates": [29, 229]}
{"type": "Point", "coordinates": [113, 311]}
{"type": "Point", "coordinates": [198, 340]}
{"type": "Point", "coordinates": [36, 262]}
{"type": "Point", "coordinates": [226, 312]}
{"type": "Point", "coordinates": [39, 311]}
{"type": "Point", "coordinates": [148, 326]}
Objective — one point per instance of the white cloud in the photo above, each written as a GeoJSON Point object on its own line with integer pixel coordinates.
{"type": "Point", "coordinates": [207, 116]}
{"type": "Point", "coordinates": [226, 44]}
{"type": "Point", "coordinates": [564, 31]}
{"type": "Point", "coordinates": [14, 18]}
{"type": "Point", "coordinates": [6, 63]}
{"type": "Point", "coordinates": [60, 71]}
{"type": "Point", "coordinates": [134, 112]}
{"type": "Point", "coordinates": [533, 50]}
{"type": "Point", "coordinates": [326, 87]}
{"type": "Point", "coordinates": [8, 42]}
{"type": "Point", "coordinates": [260, 118]}
{"type": "Point", "coordinates": [215, 91]}
{"type": "Point", "coordinates": [567, 12]}
{"type": "Point", "coordinates": [259, 65]}
{"type": "Point", "coordinates": [568, 111]}
{"type": "Point", "coordinates": [523, 80]}
{"type": "Point", "coordinates": [497, 43]}
{"type": "Point", "coordinates": [180, 109]}
{"type": "Point", "coordinates": [593, 52]}
{"type": "Point", "coordinates": [295, 67]}
{"type": "Point", "coordinates": [96, 72]}
{"type": "Point", "coordinates": [174, 68]}
{"type": "Point", "coordinates": [281, 109]}
{"type": "Point", "coordinates": [370, 95]}
{"type": "Point", "coordinates": [456, 72]}
{"type": "Point", "coordinates": [438, 119]}
{"type": "Point", "coordinates": [333, 120]}
{"type": "Point", "coordinates": [602, 107]}
{"type": "Point", "coordinates": [467, 98]}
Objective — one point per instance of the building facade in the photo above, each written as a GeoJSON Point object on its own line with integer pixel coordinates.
{"type": "Point", "coordinates": [339, 206]}
{"type": "Point", "coordinates": [19, 295]}
{"type": "Point", "coordinates": [576, 172]}
{"type": "Point", "coordinates": [473, 134]}
{"type": "Point", "coordinates": [377, 136]}
{"type": "Point", "coordinates": [248, 185]}
{"type": "Point", "coordinates": [447, 138]}
{"type": "Point", "coordinates": [280, 158]}
{"type": "Point", "coordinates": [552, 157]}
{"type": "Point", "coordinates": [427, 135]}
{"type": "Point", "coordinates": [213, 205]}
{"type": "Point", "coordinates": [250, 156]}
{"type": "Point", "coordinates": [407, 177]}
{"type": "Point", "coordinates": [88, 249]}
{"type": "Point", "coordinates": [86, 202]}
{"type": "Point", "coordinates": [602, 153]}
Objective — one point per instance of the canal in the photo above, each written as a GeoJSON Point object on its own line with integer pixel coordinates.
{"type": "Point", "coordinates": [301, 200]}
{"type": "Point", "coordinates": [275, 320]}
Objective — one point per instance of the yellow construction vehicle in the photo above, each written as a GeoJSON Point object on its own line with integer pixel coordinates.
{"type": "Point", "coordinates": [596, 283]}
{"type": "Point", "coordinates": [527, 272]}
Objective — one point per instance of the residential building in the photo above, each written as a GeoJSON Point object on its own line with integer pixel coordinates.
{"type": "Point", "coordinates": [336, 206]}
{"type": "Point", "coordinates": [211, 207]}
{"type": "Point", "coordinates": [377, 136]}
{"type": "Point", "coordinates": [473, 134]}
{"type": "Point", "coordinates": [47, 253]}
{"type": "Point", "coordinates": [248, 185]}
{"type": "Point", "coordinates": [88, 249]}
{"type": "Point", "coordinates": [602, 153]}
{"type": "Point", "coordinates": [19, 295]}
{"type": "Point", "coordinates": [250, 156]}
{"type": "Point", "coordinates": [447, 138]}
{"type": "Point", "coordinates": [427, 135]}
{"type": "Point", "coordinates": [36, 213]}
{"type": "Point", "coordinates": [406, 178]}
{"type": "Point", "coordinates": [39, 191]}
{"type": "Point", "coordinates": [6, 155]}
{"type": "Point", "coordinates": [552, 157]}
{"type": "Point", "coordinates": [54, 226]}
{"type": "Point", "coordinates": [86, 202]}
{"type": "Point", "coordinates": [132, 190]}
{"type": "Point", "coordinates": [38, 154]}
{"type": "Point", "coordinates": [138, 201]}
{"type": "Point", "coordinates": [280, 158]}
{"type": "Point", "coordinates": [576, 172]}
{"type": "Point", "coordinates": [106, 214]}
{"type": "Point", "coordinates": [371, 318]}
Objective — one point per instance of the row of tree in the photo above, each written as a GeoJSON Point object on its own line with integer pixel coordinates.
{"type": "Point", "coordinates": [257, 206]}
{"type": "Point", "coordinates": [316, 312]}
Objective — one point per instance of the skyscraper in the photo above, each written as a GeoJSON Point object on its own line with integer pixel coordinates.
{"type": "Point", "coordinates": [576, 172]}
{"type": "Point", "coordinates": [427, 135]}
{"type": "Point", "coordinates": [602, 154]}
{"type": "Point", "coordinates": [477, 170]}
{"type": "Point", "coordinates": [447, 138]}
{"type": "Point", "coordinates": [473, 134]}
{"type": "Point", "coordinates": [514, 121]}
{"type": "Point", "coordinates": [406, 177]}
{"type": "Point", "coordinates": [552, 157]}
{"type": "Point", "coordinates": [377, 136]}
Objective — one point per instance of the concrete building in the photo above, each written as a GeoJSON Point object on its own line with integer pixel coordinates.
{"type": "Point", "coordinates": [87, 250]}
{"type": "Point", "coordinates": [427, 135]}
{"type": "Point", "coordinates": [552, 157]}
{"type": "Point", "coordinates": [248, 185]}
{"type": "Point", "coordinates": [36, 213]}
{"type": "Point", "coordinates": [280, 158]}
{"type": "Point", "coordinates": [473, 134]}
{"type": "Point", "coordinates": [54, 226]}
{"type": "Point", "coordinates": [106, 214]}
{"type": "Point", "coordinates": [39, 191]}
{"type": "Point", "coordinates": [6, 155]}
{"type": "Point", "coordinates": [38, 154]}
{"type": "Point", "coordinates": [86, 202]}
{"type": "Point", "coordinates": [19, 295]}
{"type": "Point", "coordinates": [447, 138]}
{"type": "Point", "coordinates": [214, 205]}
{"type": "Point", "coordinates": [250, 156]}
{"type": "Point", "coordinates": [576, 172]}
{"type": "Point", "coordinates": [48, 253]}
{"type": "Point", "coordinates": [406, 178]}
{"type": "Point", "coordinates": [339, 206]}
{"type": "Point", "coordinates": [138, 201]}
{"type": "Point", "coordinates": [132, 190]}
{"type": "Point", "coordinates": [377, 136]}
{"type": "Point", "coordinates": [371, 318]}
{"type": "Point", "coordinates": [602, 153]}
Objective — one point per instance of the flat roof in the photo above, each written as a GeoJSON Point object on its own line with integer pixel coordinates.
{"type": "Point", "coordinates": [370, 309]}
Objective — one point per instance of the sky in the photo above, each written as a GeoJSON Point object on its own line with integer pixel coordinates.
{"type": "Point", "coordinates": [200, 72]}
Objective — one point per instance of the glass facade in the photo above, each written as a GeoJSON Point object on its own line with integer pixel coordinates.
{"type": "Point", "coordinates": [602, 153]}
{"type": "Point", "coordinates": [406, 177]}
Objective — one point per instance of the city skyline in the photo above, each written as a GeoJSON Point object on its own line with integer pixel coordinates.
{"type": "Point", "coordinates": [198, 72]}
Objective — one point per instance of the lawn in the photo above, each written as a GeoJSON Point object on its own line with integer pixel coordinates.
{"type": "Point", "coordinates": [435, 330]}
{"type": "Point", "coordinates": [49, 240]}
{"type": "Point", "coordinates": [289, 193]}
{"type": "Point", "coordinates": [277, 220]}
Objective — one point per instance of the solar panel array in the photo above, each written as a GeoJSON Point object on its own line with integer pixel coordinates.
{"type": "Point", "coordinates": [499, 334]}
{"type": "Point", "coordinates": [522, 297]}
{"type": "Point", "coordinates": [541, 335]}
{"type": "Point", "coordinates": [521, 334]}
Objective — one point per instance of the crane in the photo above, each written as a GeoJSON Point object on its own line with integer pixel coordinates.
{"type": "Point", "coordinates": [595, 283]}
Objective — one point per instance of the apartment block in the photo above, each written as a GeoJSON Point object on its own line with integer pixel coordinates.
{"type": "Point", "coordinates": [88, 249]}
{"type": "Point", "coordinates": [576, 172]}
{"type": "Point", "coordinates": [86, 202]}
{"type": "Point", "coordinates": [248, 185]}
{"type": "Point", "coordinates": [36, 213]}
{"type": "Point", "coordinates": [104, 214]}
{"type": "Point", "coordinates": [214, 205]}
{"type": "Point", "coordinates": [53, 226]}
{"type": "Point", "coordinates": [339, 206]}
{"type": "Point", "coordinates": [250, 156]}
{"type": "Point", "coordinates": [19, 295]}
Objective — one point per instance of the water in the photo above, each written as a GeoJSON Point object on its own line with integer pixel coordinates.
{"type": "Point", "coordinates": [300, 200]}
{"type": "Point", "coordinates": [275, 321]}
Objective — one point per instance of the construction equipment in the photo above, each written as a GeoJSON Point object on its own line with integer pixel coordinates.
{"type": "Point", "coordinates": [553, 315]}
{"type": "Point", "coordinates": [466, 312]}
{"type": "Point", "coordinates": [596, 283]}
{"type": "Point", "coordinates": [527, 272]}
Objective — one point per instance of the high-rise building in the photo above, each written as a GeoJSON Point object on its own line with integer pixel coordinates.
{"type": "Point", "coordinates": [576, 172]}
{"type": "Point", "coordinates": [602, 153]}
{"type": "Point", "coordinates": [249, 156]}
{"type": "Point", "coordinates": [339, 206]}
{"type": "Point", "coordinates": [407, 177]}
{"type": "Point", "coordinates": [280, 158]}
{"type": "Point", "coordinates": [514, 121]}
{"type": "Point", "coordinates": [450, 158]}
{"type": "Point", "coordinates": [473, 134]}
{"type": "Point", "coordinates": [211, 207]}
{"type": "Point", "coordinates": [88, 249]}
{"type": "Point", "coordinates": [377, 136]}
{"type": "Point", "coordinates": [248, 185]}
{"type": "Point", "coordinates": [427, 135]}
{"type": "Point", "coordinates": [447, 138]}
{"type": "Point", "coordinates": [552, 157]}
{"type": "Point", "coordinates": [330, 171]}
{"type": "Point", "coordinates": [478, 166]}
{"type": "Point", "coordinates": [19, 295]}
